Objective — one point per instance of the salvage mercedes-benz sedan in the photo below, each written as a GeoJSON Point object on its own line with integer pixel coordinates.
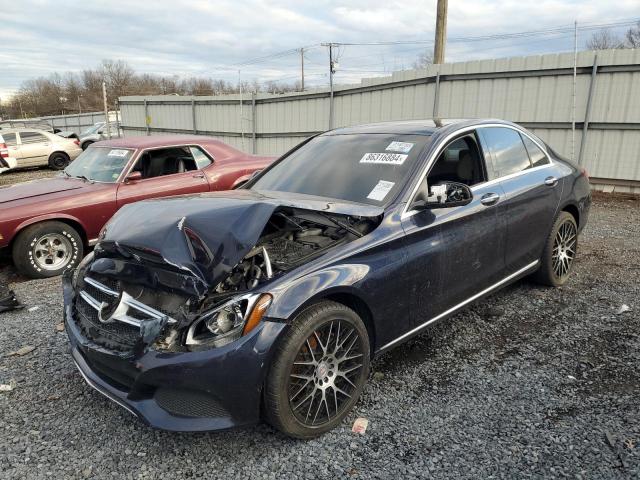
{"type": "Point", "coordinates": [271, 300]}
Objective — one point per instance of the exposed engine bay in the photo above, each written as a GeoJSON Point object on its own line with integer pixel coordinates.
{"type": "Point", "coordinates": [186, 285]}
{"type": "Point", "coordinates": [292, 237]}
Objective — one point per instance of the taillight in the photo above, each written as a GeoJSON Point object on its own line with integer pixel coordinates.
{"type": "Point", "coordinates": [584, 172]}
{"type": "Point", "coordinates": [76, 141]}
{"type": "Point", "coordinates": [4, 153]}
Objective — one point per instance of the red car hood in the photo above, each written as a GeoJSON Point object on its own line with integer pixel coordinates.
{"type": "Point", "coordinates": [38, 188]}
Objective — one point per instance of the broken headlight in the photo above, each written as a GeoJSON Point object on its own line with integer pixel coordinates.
{"type": "Point", "coordinates": [228, 322]}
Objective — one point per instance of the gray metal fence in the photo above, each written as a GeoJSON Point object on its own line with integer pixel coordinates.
{"type": "Point", "coordinates": [76, 122]}
{"type": "Point", "coordinates": [535, 91]}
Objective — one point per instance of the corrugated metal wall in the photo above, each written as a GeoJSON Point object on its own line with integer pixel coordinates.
{"type": "Point", "coordinates": [76, 122]}
{"type": "Point", "coordinates": [535, 91]}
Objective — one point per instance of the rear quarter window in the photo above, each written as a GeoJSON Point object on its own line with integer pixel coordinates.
{"type": "Point", "coordinates": [9, 139]}
{"type": "Point", "coordinates": [537, 156]}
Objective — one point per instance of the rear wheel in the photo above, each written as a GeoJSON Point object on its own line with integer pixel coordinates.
{"type": "Point", "coordinates": [58, 160]}
{"type": "Point", "coordinates": [559, 252]}
{"type": "Point", "coordinates": [86, 144]}
{"type": "Point", "coordinates": [318, 372]}
{"type": "Point", "coordinates": [47, 249]}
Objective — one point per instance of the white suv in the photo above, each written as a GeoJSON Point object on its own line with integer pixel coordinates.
{"type": "Point", "coordinates": [26, 147]}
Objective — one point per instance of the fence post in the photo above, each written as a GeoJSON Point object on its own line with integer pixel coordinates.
{"type": "Point", "coordinates": [254, 148]}
{"type": "Point", "coordinates": [587, 113]}
{"type": "Point", "coordinates": [193, 116]}
{"type": "Point", "coordinates": [436, 95]}
{"type": "Point", "coordinates": [118, 118]}
{"type": "Point", "coordinates": [146, 116]}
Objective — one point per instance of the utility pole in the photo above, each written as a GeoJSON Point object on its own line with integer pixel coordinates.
{"type": "Point", "coordinates": [302, 69]}
{"type": "Point", "coordinates": [332, 70]}
{"type": "Point", "coordinates": [441, 32]}
{"type": "Point", "coordinates": [106, 109]}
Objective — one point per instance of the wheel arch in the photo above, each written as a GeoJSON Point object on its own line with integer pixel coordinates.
{"type": "Point", "coordinates": [350, 298]}
{"type": "Point", "coordinates": [69, 220]}
{"type": "Point", "coordinates": [58, 151]}
{"type": "Point", "coordinates": [574, 211]}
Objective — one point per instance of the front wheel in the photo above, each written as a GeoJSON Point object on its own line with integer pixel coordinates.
{"type": "Point", "coordinates": [318, 372]}
{"type": "Point", "coordinates": [47, 249]}
{"type": "Point", "coordinates": [559, 252]}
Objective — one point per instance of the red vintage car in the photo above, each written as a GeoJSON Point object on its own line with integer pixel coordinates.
{"type": "Point", "coordinates": [49, 223]}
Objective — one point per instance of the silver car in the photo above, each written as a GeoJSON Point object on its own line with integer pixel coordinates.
{"type": "Point", "coordinates": [99, 132]}
{"type": "Point", "coordinates": [30, 148]}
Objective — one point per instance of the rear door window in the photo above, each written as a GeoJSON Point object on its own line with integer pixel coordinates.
{"type": "Point", "coordinates": [507, 150]}
{"type": "Point", "coordinates": [32, 137]}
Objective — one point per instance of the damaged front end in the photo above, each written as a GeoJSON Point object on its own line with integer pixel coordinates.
{"type": "Point", "coordinates": [191, 276]}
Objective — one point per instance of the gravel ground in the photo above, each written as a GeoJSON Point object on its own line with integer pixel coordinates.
{"type": "Point", "coordinates": [532, 382]}
{"type": "Point", "coordinates": [26, 174]}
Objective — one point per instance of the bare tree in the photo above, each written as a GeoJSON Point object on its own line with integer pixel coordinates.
{"type": "Point", "coordinates": [632, 37]}
{"type": "Point", "coordinates": [72, 91]}
{"type": "Point", "coordinates": [423, 61]}
{"type": "Point", "coordinates": [604, 40]}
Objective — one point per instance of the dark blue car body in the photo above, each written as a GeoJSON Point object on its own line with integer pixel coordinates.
{"type": "Point", "coordinates": [416, 267]}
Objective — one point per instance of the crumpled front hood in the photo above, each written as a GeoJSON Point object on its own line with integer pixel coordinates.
{"type": "Point", "coordinates": [206, 235]}
{"type": "Point", "coordinates": [36, 188]}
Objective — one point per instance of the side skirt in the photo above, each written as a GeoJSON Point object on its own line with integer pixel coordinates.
{"type": "Point", "coordinates": [411, 333]}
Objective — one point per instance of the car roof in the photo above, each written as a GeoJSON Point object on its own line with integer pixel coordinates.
{"type": "Point", "coordinates": [159, 141]}
{"type": "Point", "coordinates": [413, 127]}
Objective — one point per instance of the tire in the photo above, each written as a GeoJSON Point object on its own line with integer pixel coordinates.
{"type": "Point", "coordinates": [86, 144]}
{"type": "Point", "coordinates": [58, 160]}
{"type": "Point", "coordinates": [47, 249]}
{"type": "Point", "coordinates": [559, 252]}
{"type": "Point", "coordinates": [316, 335]}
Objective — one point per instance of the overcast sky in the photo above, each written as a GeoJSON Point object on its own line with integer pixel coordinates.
{"type": "Point", "coordinates": [210, 38]}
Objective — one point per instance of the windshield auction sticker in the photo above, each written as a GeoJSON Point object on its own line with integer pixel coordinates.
{"type": "Point", "coordinates": [118, 153]}
{"type": "Point", "coordinates": [380, 190]}
{"type": "Point", "coordinates": [402, 147]}
{"type": "Point", "coordinates": [384, 158]}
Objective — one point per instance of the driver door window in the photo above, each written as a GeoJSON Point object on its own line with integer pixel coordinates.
{"type": "Point", "coordinates": [165, 161]}
{"type": "Point", "coordinates": [459, 162]}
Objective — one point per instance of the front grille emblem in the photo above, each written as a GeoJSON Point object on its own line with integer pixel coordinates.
{"type": "Point", "coordinates": [117, 310]}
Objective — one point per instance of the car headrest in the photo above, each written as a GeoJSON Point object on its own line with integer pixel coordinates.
{"type": "Point", "coordinates": [465, 166]}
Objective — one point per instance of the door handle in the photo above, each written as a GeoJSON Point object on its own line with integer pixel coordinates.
{"type": "Point", "coordinates": [489, 199]}
{"type": "Point", "coordinates": [198, 175]}
{"type": "Point", "coordinates": [551, 181]}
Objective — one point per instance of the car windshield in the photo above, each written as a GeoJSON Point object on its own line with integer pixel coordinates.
{"type": "Point", "coordinates": [103, 164]}
{"type": "Point", "coordinates": [363, 168]}
{"type": "Point", "coordinates": [92, 129]}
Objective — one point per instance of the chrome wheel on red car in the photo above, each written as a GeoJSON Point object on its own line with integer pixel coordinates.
{"type": "Point", "coordinates": [47, 249]}
{"type": "Point", "coordinates": [52, 251]}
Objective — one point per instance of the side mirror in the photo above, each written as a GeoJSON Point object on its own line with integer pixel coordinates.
{"type": "Point", "coordinates": [445, 195]}
{"type": "Point", "coordinates": [133, 177]}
